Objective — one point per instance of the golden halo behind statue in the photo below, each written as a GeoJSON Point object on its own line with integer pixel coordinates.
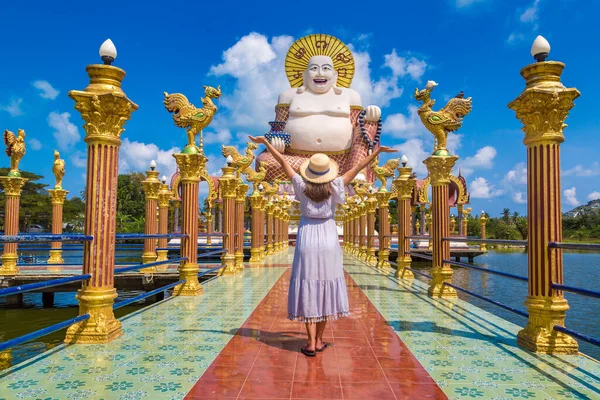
{"type": "Point", "coordinates": [296, 60]}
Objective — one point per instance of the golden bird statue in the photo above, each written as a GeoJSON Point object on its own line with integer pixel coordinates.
{"type": "Point", "coordinates": [444, 121]}
{"type": "Point", "coordinates": [58, 169]}
{"type": "Point", "coordinates": [385, 171]}
{"type": "Point", "coordinates": [15, 149]}
{"type": "Point", "coordinates": [186, 115]}
{"type": "Point", "coordinates": [240, 162]}
{"type": "Point", "coordinates": [255, 177]}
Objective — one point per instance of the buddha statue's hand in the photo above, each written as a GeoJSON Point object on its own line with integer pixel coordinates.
{"type": "Point", "coordinates": [373, 113]}
{"type": "Point", "coordinates": [279, 144]}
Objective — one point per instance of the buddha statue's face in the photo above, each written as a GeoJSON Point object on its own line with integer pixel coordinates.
{"type": "Point", "coordinates": [320, 75]}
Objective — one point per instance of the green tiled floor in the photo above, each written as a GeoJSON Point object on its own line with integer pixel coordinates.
{"type": "Point", "coordinates": [164, 350]}
{"type": "Point", "coordinates": [471, 353]}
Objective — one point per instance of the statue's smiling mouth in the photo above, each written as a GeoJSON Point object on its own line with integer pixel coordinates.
{"type": "Point", "coordinates": [320, 81]}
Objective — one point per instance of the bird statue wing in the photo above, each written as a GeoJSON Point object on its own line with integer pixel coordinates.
{"type": "Point", "coordinates": [445, 119]}
{"type": "Point", "coordinates": [458, 106]}
{"type": "Point", "coordinates": [9, 140]}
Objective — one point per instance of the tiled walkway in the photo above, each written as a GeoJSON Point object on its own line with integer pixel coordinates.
{"type": "Point", "coordinates": [367, 360]}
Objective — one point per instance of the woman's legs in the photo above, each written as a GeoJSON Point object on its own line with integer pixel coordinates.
{"type": "Point", "coordinates": [320, 331]}
{"type": "Point", "coordinates": [311, 330]}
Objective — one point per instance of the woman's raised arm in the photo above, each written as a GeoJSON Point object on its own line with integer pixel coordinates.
{"type": "Point", "coordinates": [351, 174]}
{"type": "Point", "coordinates": [289, 171]}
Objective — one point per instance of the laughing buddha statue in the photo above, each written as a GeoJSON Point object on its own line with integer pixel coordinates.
{"type": "Point", "coordinates": [320, 112]}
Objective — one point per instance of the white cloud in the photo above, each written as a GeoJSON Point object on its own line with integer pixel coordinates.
{"type": "Point", "coordinates": [402, 126]}
{"type": "Point", "coordinates": [136, 156]}
{"type": "Point", "coordinates": [519, 198]}
{"type": "Point", "coordinates": [257, 64]}
{"type": "Point", "coordinates": [46, 89]}
{"type": "Point", "coordinates": [34, 144]}
{"type": "Point", "coordinates": [222, 136]}
{"type": "Point", "coordinates": [580, 170]}
{"type": "Point", "coordinates": [517, 175]}
{"type": "Point", "coordinates": [453, 142]}
{"type": "Point", "coordinates": [531, 13]}
{"type": "Point", "coordinates": [415, 152]}
{"type": "Point", "coordinates": [594, 196]}
{"type": "Point", "coordinates": [483, 159]}
{"type": "Point", "coordinates": [515, 37]}
{"type": "Point", "coordinates": [481, 189]}
{"type": "Point", "coordinates": [13, 108]}
{"type": "Point", "coordinates": [65, 132]}
{"type": "Point", "coordinates": [571, 196]}
{"type": "Point", "coordinates": [79, 159]}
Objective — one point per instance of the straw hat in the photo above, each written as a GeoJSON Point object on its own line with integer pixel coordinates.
{"type": "Point", "coordinates": [319, 169]}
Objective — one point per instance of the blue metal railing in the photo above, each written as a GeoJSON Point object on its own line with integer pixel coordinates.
{"type": "Point", "coordinates": [44, 238]}
{"type": "Point", "coordinates": [148, 265]}
{"type": "Point", "coordinates": [572, 289]}
{"type": "Point", "coordinates": [574, 246]}
{"type": "Point", "coordinates": [147, 294]}
{"type": "Point", "coordinates": [485, 241]}
{"type": "Point", "coordinates": [42, 285]}
{"type": "Point", "coordinates": [130, 236]}
{"type": "Point", "coordinates": [491, 271]}
{"type": "Point", "coordinates": [42, 332]}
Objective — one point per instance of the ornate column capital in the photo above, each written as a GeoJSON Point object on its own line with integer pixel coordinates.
{"type": "Point", "coordinates": [12, 185]}
{"type": "Point", "coordinates": [439, 168]}
{"type": "Point", "coordinates": [544, 104]}
{"type": "Point", "coordinates": [152, 185]}
{"type": "Point", "coordinates": [164, 195]}
{"type": "Point", "coordinates": [383, 198]}
{"type": "Point", "coordinates": [190, 166]}
{"type": "Point", "coordinates": [241, 191]}
{"type": "Point", "coordinates": [58, 196]}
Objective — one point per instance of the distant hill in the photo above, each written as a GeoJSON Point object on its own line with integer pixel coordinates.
{"type": "Point", "coordinates": [593, 207]}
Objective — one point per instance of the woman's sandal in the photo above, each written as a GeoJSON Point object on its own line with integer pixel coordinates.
{"type": "Point", "coordinates": [325, 345]}
{"type": "Point", "coordinates": [308, 353]}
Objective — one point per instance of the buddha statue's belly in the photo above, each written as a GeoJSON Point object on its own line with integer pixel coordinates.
{"type": "Point", "coordinates": [319, 132]}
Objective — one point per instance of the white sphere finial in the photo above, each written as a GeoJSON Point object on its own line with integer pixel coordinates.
{"type": "Point", "coordinates": [404, 160]}
{"type": "Point", "coordinates": [108, 52]}
{"type": "Point", "coordinates": [152, 165]}
{"type": "Point", "coordinates": [229, 160]}
{"type": "Point", "coordinates": [164, 179]}
{"type": "Point", "coordinates": [540, 48]}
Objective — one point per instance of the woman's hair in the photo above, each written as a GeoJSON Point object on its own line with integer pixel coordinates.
{"type": "Point", "coordinates": [317, 192]}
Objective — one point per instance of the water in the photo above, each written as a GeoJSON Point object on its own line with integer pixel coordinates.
{"type": "Point", "coordinates": [581, 269]}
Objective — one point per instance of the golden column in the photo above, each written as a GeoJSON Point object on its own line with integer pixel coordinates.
{"type": "Point", "coordinates": [105, 108]}
{"type": "Point", "coordinates": [362, 226]}
{"type": "Point", "coordinates": [262, 223]}
{"type": "Point", "coordinates": [542, 108]}
{"type": "Point", "coordinates": [228, 183]}
{"type": "Point", "coordinates": [151, 187]}
{"type": "Point", "coordinates": [58, 196]}
{"type": "Point", "coordinates": [12, 189]}
{"type": "Point", "coordinates": [452, 224]}
{"type": "Point", "coordinates": [405, 185]}
{"type": "Point", "coordinates": [209, 222]}
{"type": "Point", "coordinates": [383, 201]}
{"type": "Point", "coordinates": [371, 205]}
{"type": "Point", "coordinates": [269, 210]}
{"type": "Point", "coordinates": [351, 215]}
{"type": "Point", "coordinates": [465, 221]}
{"type": "Point", "coordinates": [429, 219]}
{"type": "Point", "coordinates": [240, 201]}
{"type": "Point", "coordinates": [163, 220]}
{"type": "Point", "coordinates": [356, 222]}
{"type": "Point", "coordinates": [344, 227]}
{"type": "Point", "coordinates": [191, 164]}
{"type": "Point", "coordinates": [439, 167]}
{"type": "Point", "coordinates": [256, 202]}
{"type": "Point", "coordinates": [482, 222]}
{"type": "Point", "coordinates": [277, 225]}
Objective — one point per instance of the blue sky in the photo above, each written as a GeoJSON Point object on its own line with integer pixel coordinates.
{"type": "Point", "coordinates": [478, 46]}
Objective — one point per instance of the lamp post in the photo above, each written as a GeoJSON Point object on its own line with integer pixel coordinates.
{"type": "Point", "coordinates": [542, 108]}
{"type": "Point", "coordinates": [151, 187]}
{"type": "Point", "coordinates": [404, 187]}
{"type": "Point", "coordinates": [105, 108]}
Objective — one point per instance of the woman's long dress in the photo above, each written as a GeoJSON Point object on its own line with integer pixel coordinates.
{"type": "Point", "coordinates": [318, 287]}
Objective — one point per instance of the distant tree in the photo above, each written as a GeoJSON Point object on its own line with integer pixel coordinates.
{"type": "Point", "coordinates": [506, 215]}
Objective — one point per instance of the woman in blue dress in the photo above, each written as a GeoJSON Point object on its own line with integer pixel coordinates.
{"type": "Point", "coordinates": [318, 286]}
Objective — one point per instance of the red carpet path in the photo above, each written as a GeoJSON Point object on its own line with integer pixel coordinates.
{"type": "Point", "coordinates": [368, 359]}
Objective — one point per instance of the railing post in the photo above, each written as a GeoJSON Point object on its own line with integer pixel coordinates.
{"type": "Point", "coordinates": [105, 108]}
{"type": "Point", "coordinates": [542, 108]}
{"type": "Point", "coordinates": [459, 219]}
{"type": "Point", "coordinates": [209, 223]}
{"type": "Point", "coordinates": [240, 201]}
{"type": "Point", "coordinates": [482, 222]}
{"type": "Point", "coordinates": [439, 167]}
{"type": "Point", "coordinates": [262, 214]}
{"type": "Point", "coordinates": [404, 187]}
{"type": "Point", "coordinates": [228, 183]}
{"type": "Point", "coordinates": [383, 201]}
{"type": "Point", "coordinates": [164, 196]}
{"type": "Point", "coordinates": [429, 219]}
{"type": "Point", "coordinates": [371, 206]}
{"type": "Point", "coordinates": [151, 187]}
{"type": "Point", "coordinates": [452, 225]}
{"type": "Point", "coordinates": [191, 166]}
{"type": "Point", "coordinates": [344, 227]}
{"type": "Point", "coordinates": [255, 203]}
{"type": "Point", "coordinates": [12, 189]}
{"type": "Point", "coordinates": [465, 221]}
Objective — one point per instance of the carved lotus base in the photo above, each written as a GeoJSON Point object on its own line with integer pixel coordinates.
{"type": "Point", "coordinates": [102, 326]}
{"type": "Point", "coordinates": [402, 272]}
{"type": "Point", "coordinates": [437, 287]}
{"type": "Point", "coordinates": [191, 287]}
{"type": "Point", "coordinates": [255, 256]}
{"type": "Point", "coordinates": [228, 262]}
{"type": "Point", "coordinates": [55, 257]}
{"type": "Point", "coordinates": [9, 265]}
